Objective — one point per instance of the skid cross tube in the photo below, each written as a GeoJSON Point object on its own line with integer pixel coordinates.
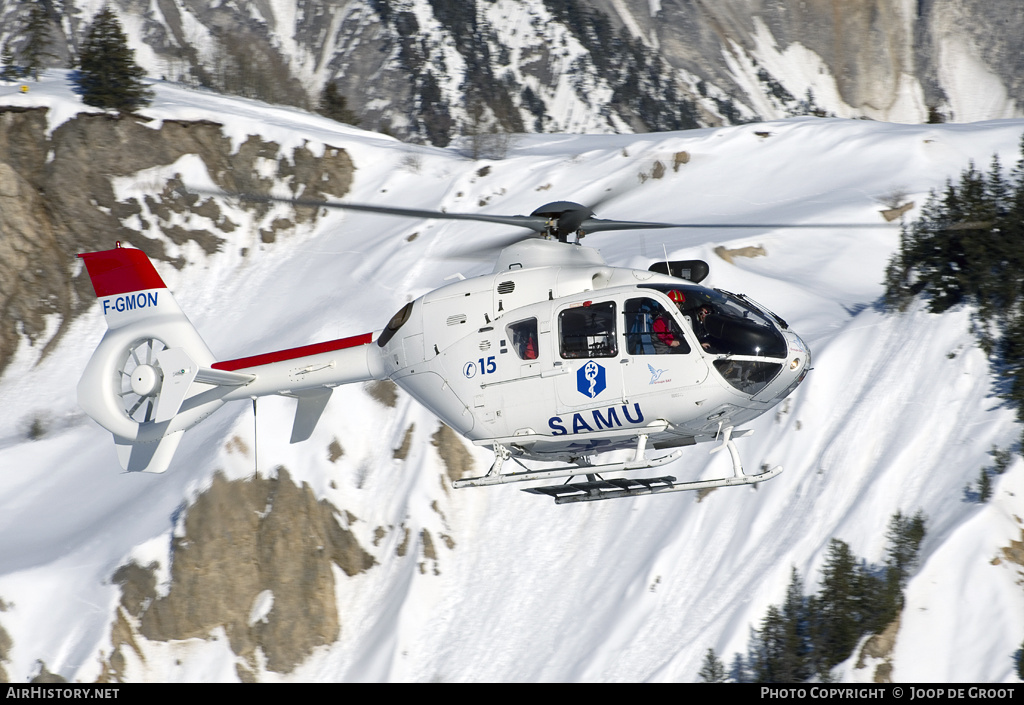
{"type": "Point", "coordinates": [494, 476]}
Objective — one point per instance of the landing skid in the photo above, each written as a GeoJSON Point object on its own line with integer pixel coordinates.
{"type": "Point", "coordinates": [597, 488]}
{"type": "Point", "coordinates": [627, 487]}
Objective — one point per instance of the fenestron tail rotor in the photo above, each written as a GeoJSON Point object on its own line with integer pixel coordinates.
{"type": "Point", "coordinates": [139, 379]}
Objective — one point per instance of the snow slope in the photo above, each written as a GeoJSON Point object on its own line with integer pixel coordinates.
{"type": "Point", "coordinates": [898, 414]}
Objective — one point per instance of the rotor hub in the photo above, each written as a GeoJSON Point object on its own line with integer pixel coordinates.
{"type": "Point", "coordinates": [146, 380]}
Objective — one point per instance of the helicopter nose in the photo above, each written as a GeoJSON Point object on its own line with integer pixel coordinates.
{"type": "Point", "coordinates": [794, 370]}
{"type": "Point", "coordinates": [799, 363]}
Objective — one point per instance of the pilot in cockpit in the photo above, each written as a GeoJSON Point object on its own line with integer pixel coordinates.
{"type": "Point", "coordinates": [697, 323]}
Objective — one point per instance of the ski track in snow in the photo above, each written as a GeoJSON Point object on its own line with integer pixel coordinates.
{"type": "Point", "coordinates": [898, 414]}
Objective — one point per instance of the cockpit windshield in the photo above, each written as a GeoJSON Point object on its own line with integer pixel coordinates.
{"type": "Point", "coordinates": [725, 323]}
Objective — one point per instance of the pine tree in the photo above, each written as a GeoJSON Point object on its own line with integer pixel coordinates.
{"type": "Point", "coordinates": [108, 76]}
{"type": "Point", "coordinates": [1002, 459]}
{"type": "Point", "coordinates": [897, 294]}
{"type": "Point", "coordinates": [886, 600]}
{"type": "Point", "coordinates": [1011, 348]}
{"type": "Point", "coordinates": [1020, 661]}
{"type": "Point", "coordinates": [767, 654]}
{"type": "Point", "coordinates": [904, 537]}
{"type": "Point", "coordinates": [917, 265]}
{"type": "Point", "coordinates": [948, 257]}
{"type": "Point", "coordinates": [780, 651]}
{"type": "Point", "coordinates": [1013, 218]}
{"type": "Point", "coordinates": [335, 106]}
{"type": "Point", "coordinates": [8, 67]}
{"type": "Point", "coordinates": [738, 672]}
{"type": "Point", "coordinates": [37, 40]}
{"type": "Point", "coordinates": [968, 247]}
{"type": "Point", "coordinates": [837, 625]}
{"type": "Point", "coordinates": [795, 665]}
{"type": "Point", "coordinates": [984, 486]}
{"type": "Point", "coordinates": [713, 670]}
{"type": "Point", "coordinates": [808, 636]}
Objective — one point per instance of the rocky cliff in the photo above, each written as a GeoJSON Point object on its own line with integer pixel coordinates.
{"type": "Point", "coordinates": [902, 60]}
{"type": "Point", "coordinates": [254, 558]}
{"type": "Point", "coordinates": [59, 196]}
{"type": "Point", "coordinates": [435, 70]}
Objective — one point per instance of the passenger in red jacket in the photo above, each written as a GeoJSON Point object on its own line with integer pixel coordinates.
{"type": "Point", "coordinates": [669, 338]}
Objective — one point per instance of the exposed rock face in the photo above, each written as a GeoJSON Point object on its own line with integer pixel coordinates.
{"type": "Point", "coordinates": [880, 646]}
{"type": "Point", "coordinates": [402, 451]}
{"type": "Point", "coordinates": [44, 676]}
{"type": "Point", "coordinates": [875, 52]}
{"type": "Point", "coordinates": [34, 271]}
{"type": "Point", "coordinates": [750, 251]}
{"type": "Point", "coordinates": [384, 391]}
{"type": "Point", "coordinates": [458, 462]}
{"type": "Point", "coordinates": [432, 70]}
{"type": "Point", "coordinates": [1015, 551]}
{"type": "Point", "coordinates": [57, 199]}
{"type": "Point", "coordinates": [256, 560]}
{"type": "Point", "coordinates": [5, 649]}
{"type": "Point", "coordinates": [866, 44]}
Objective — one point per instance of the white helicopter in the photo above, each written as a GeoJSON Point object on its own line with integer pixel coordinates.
{"type": "Point", "coordinates": [555, 356]}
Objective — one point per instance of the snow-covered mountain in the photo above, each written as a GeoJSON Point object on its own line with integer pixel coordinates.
{"type": "Point", "coordinates": [359, 562]}
{"type": "Point", "coordinates": [432, 70]}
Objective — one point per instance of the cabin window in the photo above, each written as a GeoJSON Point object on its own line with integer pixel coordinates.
{"type": "Point", "coordinates": [727, 324]}
{"type": "Point", "coordinates": [587, 331]}
{"type": "Point", "coordinates": [651, 330]}
{"type": "Point", "coordinates": [523, 335]}
{"type": "Point", "coordinates": [749, 376]}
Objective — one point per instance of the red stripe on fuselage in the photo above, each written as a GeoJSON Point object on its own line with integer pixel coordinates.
{"type": "Point", "coordinates": [293, 353]}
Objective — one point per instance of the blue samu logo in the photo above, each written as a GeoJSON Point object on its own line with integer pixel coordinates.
{"type": "Point", "coordinates": [590, 379]}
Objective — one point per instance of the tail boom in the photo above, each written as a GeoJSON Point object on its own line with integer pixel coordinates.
{"type": "Point", "coordinates": [328, 364]}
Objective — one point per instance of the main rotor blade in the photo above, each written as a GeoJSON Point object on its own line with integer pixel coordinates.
{"type": "Point", "coordinates": [536, 223]}
{"type": "Point", "coordinates": [594, 225]}
{"type": "Point", "coordinates": [597, 225]}
{"type": "Point", "coordinates": [539, 224]}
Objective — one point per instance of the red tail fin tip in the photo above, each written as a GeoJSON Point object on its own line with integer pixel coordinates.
{"type": "Point", "coordinates": [121, 271]}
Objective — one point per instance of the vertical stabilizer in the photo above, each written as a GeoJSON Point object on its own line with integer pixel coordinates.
{"type": "Point", "coordinates": [142, 374]}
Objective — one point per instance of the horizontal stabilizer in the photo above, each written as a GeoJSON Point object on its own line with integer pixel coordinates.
{"type": "Point", "coordinates": [179, 371]}
{"type": "Point", "coordinates": [220, 378]}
